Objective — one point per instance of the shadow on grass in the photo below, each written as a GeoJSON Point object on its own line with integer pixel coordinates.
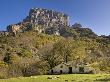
{"type": "Point", "coordinates": [104, 80]}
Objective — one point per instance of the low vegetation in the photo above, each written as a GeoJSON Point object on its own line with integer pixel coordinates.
{"type": "Point", "coordinates": [30, 53]}
{"type": "Point", "coordinates": [62, 78]}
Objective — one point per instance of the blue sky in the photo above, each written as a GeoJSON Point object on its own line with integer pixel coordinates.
{"type": "Point", "coordinates": [94, 14]}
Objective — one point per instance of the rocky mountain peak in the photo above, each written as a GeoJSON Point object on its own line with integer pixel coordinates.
{"type": "Point", "coordinates": [40, 17]}
{"type": "Point", "coordinates": [47, 17]}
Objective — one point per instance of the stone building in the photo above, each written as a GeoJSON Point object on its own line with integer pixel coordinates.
{"type": "Point", "coordinates": [71, 68]}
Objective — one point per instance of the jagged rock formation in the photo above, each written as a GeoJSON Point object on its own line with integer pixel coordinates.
{"type": "Point", "coordinates": [46, 17]}
{"type": "Point", "coordinates": [40, 17]}
{"type": "Point", "coordinates": [13, 28]}
{"type": "Point", "coordinates": [49, 22]}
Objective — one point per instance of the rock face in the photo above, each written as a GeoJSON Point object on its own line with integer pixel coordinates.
{"type": "Point", "coordinates": [13, 28]}
{"type": "Point", "coordinates": [40, 17]}
{"type": "Point", "coordinates": [46, 17]}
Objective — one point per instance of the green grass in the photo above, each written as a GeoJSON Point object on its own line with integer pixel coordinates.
{"type": "Point", "coordinates": [62, 78]}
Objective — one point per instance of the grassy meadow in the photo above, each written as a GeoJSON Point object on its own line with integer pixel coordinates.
{"type": "Point", "coordinates": [62, 78]}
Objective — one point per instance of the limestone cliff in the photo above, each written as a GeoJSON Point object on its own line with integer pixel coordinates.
{"type": "Point", "coordinates": [46, 17]}
{"type": "Point", "coordinates": [40, 17]}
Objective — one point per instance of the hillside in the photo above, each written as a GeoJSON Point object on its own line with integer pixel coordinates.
{"type": "Point", "coordinates": [30, 53]}
{"type": "Point", "coordinates": [28, 48]}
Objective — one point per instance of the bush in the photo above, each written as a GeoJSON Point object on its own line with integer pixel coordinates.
{"type": "Point", "coordinates": [25, 53]}
{"type": "Point", "coordinates": [3, 70]}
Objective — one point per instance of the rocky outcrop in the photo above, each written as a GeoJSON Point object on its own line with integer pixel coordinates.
{"type": "Point", "coordinates": [48, 18]}
{"type": "Point", "coordinates": [39, 18]}
{"type": "Point", "coordinates": [52, 30]}
{"type": "Point", "coordinates": [84, 32]}
{"type": "Point", "coordinates": [4, 33]}
{"type": "Point", "coordinates": [13, 28]}
{"type": "Point", "coordinates": [77, 25]}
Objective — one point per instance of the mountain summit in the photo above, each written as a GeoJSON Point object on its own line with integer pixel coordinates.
{"type": "Point", "coordinates": [40, 17]}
